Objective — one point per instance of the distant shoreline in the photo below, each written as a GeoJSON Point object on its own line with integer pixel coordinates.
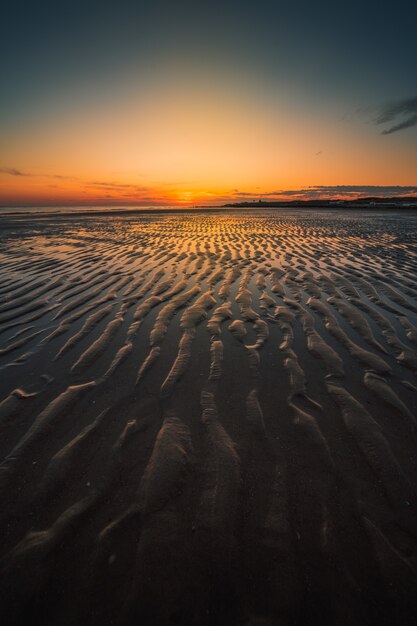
{"type": "Point", "coordinates": [368, 204]}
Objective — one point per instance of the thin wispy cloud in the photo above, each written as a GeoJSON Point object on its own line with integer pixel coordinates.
{"type": "Point", "coordinates": [12, 171]}
{"type": "Point", "coordinates": [114, 186]}
{"type": "Point", "coordinates": [103, 190]}
{"type": "Point", "coordinates": [397, 116]}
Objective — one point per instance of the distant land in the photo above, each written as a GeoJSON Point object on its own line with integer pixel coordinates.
{"type": "Point", "coordinates": [22, 212]}
{"type": "Point", "coordinates": [369, 203]}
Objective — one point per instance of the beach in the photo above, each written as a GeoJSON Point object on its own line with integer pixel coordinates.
{"type": "Point", "coordinates": [209, 418]}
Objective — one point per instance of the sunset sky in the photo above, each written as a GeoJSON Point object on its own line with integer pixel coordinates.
{"type": "Point", "coordinates": [183, 103]}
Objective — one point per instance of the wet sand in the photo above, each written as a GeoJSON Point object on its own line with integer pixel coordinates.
{"type": "Point", "coordinates": [209, 419]}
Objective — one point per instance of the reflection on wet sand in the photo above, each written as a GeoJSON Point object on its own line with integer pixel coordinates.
{"type": "Point", "coordinates": [209, 419]}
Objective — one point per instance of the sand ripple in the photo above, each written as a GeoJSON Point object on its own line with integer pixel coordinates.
{"type": "Point", "coordinates": [209, 418]}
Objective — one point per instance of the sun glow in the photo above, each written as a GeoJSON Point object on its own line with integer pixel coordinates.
{"type": "Point", "coordinates": [188, 143]}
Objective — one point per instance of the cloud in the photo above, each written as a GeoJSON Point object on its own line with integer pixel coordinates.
{"type": "Point", "coordinates": [332, 191]}
{"type": "Point", "coordinates": [397, 115]}
{"type": "Point", "coordinates": [108, 185]}
{"type": "Point", "coordinates": [12, 171]}
{"type": "Point", "coordinates": [250, 194]}
{"type": "Point", "coordinates": [123, 190]}
{"type": "Point", "coordinates": [112, 186]}
{"type": "Point", "coordinates": [358, 190]}
{"type": "Point", "coordinates": [411, 121]}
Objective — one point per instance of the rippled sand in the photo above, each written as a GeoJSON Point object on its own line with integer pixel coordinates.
{"type": "Point", "coordinates": [209, 419]}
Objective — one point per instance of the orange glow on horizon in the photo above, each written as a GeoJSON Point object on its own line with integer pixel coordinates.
{"type": "Point", "coordinates": [185, 145]}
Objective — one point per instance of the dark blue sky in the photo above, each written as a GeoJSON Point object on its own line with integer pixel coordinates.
{"type": "Point", "coordinates": [363, 52]}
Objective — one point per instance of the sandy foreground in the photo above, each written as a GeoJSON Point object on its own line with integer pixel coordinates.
{"type": "Point", "coordinates": [209, 419]}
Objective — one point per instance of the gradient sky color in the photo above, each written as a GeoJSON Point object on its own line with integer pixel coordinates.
{"type": "Point", "coordinates": [169, 102]}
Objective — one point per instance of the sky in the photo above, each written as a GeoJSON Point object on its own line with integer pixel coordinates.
{"type": "Point", "coordinates": [198, 103]}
